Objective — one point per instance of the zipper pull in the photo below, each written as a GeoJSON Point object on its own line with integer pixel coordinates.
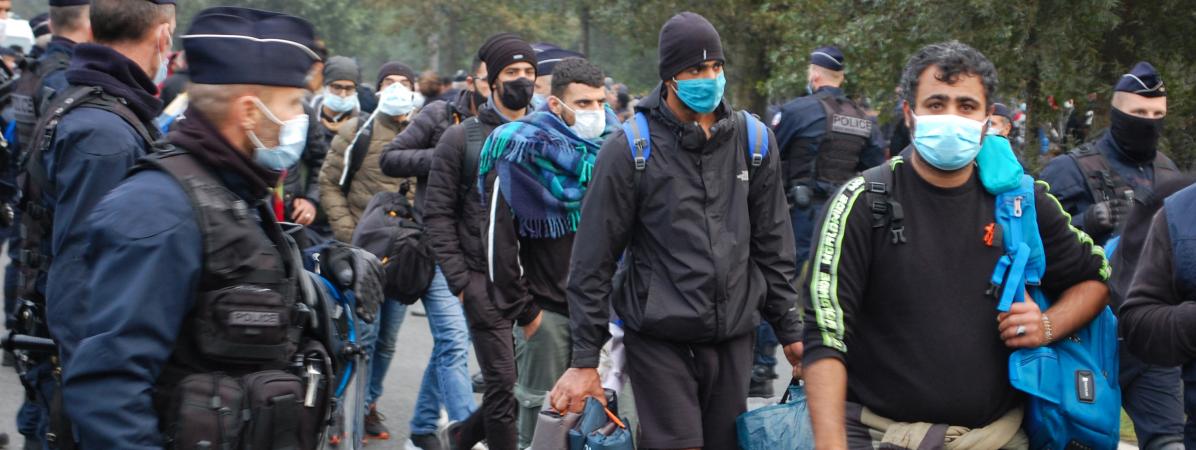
{"type": "Point", "coordinates": [1017, 206]}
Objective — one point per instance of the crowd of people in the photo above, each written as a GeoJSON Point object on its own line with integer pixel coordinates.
{"type": "Point", "coordinates": [203, 248]}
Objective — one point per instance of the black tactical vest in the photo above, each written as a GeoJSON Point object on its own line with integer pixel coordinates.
{"type": "Point", "coordinates": [847, 133]}
{"type": "Point", "coordinates": [1104, 183]}
{"type": "Point", "coordinates": [837, 159]}
{"type": "Point", "coordinates": [30, 96]}
{"type": "Point", "coordinates": [247, 315]}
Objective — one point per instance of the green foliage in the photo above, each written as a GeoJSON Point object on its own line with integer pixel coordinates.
{"type": "Point", "coordinates": [1060, 48]}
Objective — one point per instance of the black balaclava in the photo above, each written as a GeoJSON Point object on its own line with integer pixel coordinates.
{"type": "Point", "coordinates": [1137, 138]}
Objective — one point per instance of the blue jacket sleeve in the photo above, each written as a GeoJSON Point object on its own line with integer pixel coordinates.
{"type": "Point", "coordinates": [801, 120]}
{"type": "Point", "coordinates": [145, 272]}
{"type": "Point", "coordinates": [91, 153]}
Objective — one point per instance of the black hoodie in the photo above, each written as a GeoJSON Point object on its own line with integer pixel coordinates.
{"type": "Point", "coordinates": [709, 245]}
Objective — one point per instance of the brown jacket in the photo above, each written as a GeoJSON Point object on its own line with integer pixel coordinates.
{"type": "Point", "coordinates": [345, 210]}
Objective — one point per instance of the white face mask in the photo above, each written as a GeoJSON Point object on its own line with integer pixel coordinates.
{"type": "Point", "coordinates": [587, 123]}
{"type": "Point", "coordinates": [396, 100]}
{"type": "Point", "coordinates": [340, 104]}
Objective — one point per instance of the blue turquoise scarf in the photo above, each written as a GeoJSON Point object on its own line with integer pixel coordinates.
{"type": "Point", "coordinates": [543, 168]}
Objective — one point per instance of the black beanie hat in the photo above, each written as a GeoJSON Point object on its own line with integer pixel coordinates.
{"type": "Point", "coordinates": [502, 50]}
{"type": "Point", "coordinates": [395, 68]}
{"type": "Point", "coordinates": [686, 40]}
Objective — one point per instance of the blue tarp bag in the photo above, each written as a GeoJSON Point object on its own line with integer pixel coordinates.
{"type": "Point", "coordinates": [599, 429]}
{"type": "Point", "coordinates": [784, 425]}
{"type": "Point", "coordinates": [1074, 400]}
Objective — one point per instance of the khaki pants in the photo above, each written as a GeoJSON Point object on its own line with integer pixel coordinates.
{"type": "Point", "coordinates": [539, 362]}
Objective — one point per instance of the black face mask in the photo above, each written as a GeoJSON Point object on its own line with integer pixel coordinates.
{"type": "Point", "coordinates": [1137, 138]}
{"type": "Point", "coordinates": [517, 93]}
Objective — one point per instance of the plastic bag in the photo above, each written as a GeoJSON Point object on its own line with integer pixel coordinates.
{"type": "Point", "coordinates": [785, 425]}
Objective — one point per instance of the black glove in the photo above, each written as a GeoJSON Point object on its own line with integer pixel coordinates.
{"type": "Point", "coordinates": [1104, 217]}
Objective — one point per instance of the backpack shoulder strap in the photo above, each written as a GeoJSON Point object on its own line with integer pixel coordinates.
{"type": "Point", "coordinates": [639, 140]}
{"type": "Point", "coordinates": [757, 139]}
{"type": "Point", "coordinates": [1024, 260]}
{"type": "Point", "coordinates": [885, 210]}
{"type": "Point", "coordinates": [357, 150]}
{"type": "Point", "coordinates": [35, 171]}
{"type": "Point", "coordinates": [475, 137]}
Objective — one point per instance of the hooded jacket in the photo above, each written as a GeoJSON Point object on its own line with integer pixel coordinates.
{"type": "Point", "coordinates": [453, 211]}
{"type": "Point", "coordinates": [705, 240]}
{"type": "Point", "coordinates": [344, 210]}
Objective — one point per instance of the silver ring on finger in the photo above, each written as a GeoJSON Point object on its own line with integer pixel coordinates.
{"type": "Point", "coordinates": [1021, 330]}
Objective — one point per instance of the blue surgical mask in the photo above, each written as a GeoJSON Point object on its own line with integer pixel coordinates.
{"type": "Point", "coordinates": [701, 94]}
{"type": "Point", "coordinates": [163, 68]}
{"type": "Point", "coordinates": [339, 104]}
{"type": "Point", "coordinates": [160, 77]}
{"type": "Point", "coordinates": [396, 100]}
{"type": "Point", "coordinates": [292, 138]}
{"type": "Point", "coordinates": [538, 101]}
{"type": "Point", "coordinates": [947, 141]}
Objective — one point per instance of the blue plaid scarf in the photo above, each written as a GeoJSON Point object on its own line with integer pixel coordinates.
{"type": "Point", "coordinates": [543, 167]}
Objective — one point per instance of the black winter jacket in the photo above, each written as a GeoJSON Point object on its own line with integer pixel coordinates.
{"type": "Point", "coordinates": [709, 245]}
{"type": "Point", "coordinates": [410, 153]}
{"type": "Point", "coordinates": [453, 210]}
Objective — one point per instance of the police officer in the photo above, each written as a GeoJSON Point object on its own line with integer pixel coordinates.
{"type": "Point", "coordinates": [96, 126]}
{"type": "Point", "coordinates": [825, 140]}
{"type": "Point", "coordinates": [1001, 123]}
{"type": "Point", "coordinates": [193, 291]}
{"type": "Point", "coordinates": [1097, 184]}
{"type": "Point", "coordinates": [1097, 181]}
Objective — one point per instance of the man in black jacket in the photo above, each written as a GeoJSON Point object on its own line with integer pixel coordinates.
{"type": "Point", "coordinates": [453, 217]}
{"type": "Point", "coordinates": [709, 250]}
{"type": "Point", "coordinates": [530, 227]}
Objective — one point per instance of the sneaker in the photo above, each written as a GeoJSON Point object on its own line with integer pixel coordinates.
{"type": "Point", "coordinates": [450, 435]}
{"type": "Point", "coordinates": [425, 442]}
{"type": "Point", "coordinates": [479, 384]}
{"type": "Point", "coordinates": [373, 424]}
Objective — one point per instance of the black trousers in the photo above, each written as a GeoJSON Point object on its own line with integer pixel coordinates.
{"type": "Point", "coordinates": [689, 395]}
{"type": "Point", "coordinates": [494, 345]}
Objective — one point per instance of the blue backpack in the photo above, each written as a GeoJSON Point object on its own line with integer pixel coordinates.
{"type": "Point", "coordinates": [639, 140]}
{"type": "Point", "coordinates": [1074, 400]}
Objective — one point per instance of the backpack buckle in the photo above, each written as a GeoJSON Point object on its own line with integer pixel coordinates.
{"type": "Point", "coordinates": [898, 233]}
{"type": "Point", "coordinates": [877, 188]}
{"type": "Point", "coordinates": [757, 159]}
{"type": "Point", "coordinates": [640, 163]}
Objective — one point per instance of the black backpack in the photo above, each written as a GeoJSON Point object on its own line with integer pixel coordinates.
{"type": "Point", "coordinates": [392, 230]}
